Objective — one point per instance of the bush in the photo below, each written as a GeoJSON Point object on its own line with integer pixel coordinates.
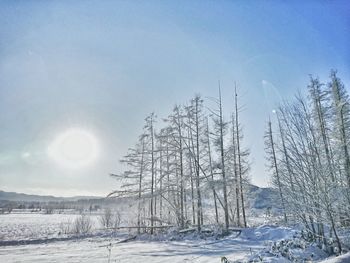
{"type": "Point", "coordinates": [106, 218]}
{"type": "Point", "coordinates": [65, 228]}
{"type": "Point", "coordinates": [109, 219]}
{"type": "Point", "coordinates": [82, 225]}
{"type": "Point", "coordinates": [116, 219]}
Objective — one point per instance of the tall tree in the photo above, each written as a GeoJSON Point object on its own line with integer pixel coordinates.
{"type": "Point", "coordinates": [341, 108]}
{"type": "Point", "coordinates": [132, 178]}
{"type": "Point", "coordinates": [220, 129]}
{"type": "Point", "coordinates": [195, 123]}
{"type": "Point", "coordinates": [270, 149]}
{"type": "Point", "coordinates": [240, 153]}
{"type": "Point", "coordinates": [149, 128]}
{"type": "Point", "coordinates": [211, 171]}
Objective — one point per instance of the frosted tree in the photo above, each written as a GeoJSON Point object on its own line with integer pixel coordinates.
{"type": "Point", "coordinates": [195, 126]}
{"type": "Point", "coordinates": [132, 179]}
{"type": "Point", "coordinates": [309, 158]}
{"type": "Point", "coordinates": [171, 172]}
{"type": "Point", "coordinates": [273, 165]}
{"type": "Point", "coordinates": [233, 159]}
{"type": "Point", "coordinates": [241, 156]}
{"type": "Point", "coordinates": [167, 170]}
{"type": "Point", "coordinates": [150, 151]}
{"type": "Point", "coordinates": [210, 169]}
{"type": "Point", "coordinates": [176, 126]}
{"type": "Point", "coordinates": [341, 112]}
{"type": "Point", "coordinates": [220, 130]}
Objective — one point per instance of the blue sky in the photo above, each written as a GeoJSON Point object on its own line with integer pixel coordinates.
{"type": "Point", "coordinates": [104, 65]}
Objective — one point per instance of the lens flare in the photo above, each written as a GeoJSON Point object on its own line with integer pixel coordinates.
{"type": "Point", "coordinates": [74, 148]}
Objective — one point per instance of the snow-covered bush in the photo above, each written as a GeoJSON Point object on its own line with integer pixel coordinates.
{"type": "Point", "coordinates": [116, 219]}
{"type": "Point", "coordinates": [110, 219]}
{"type": "Point", "coordinates": [65, 228]}
{"type": "Point", "coordinates": [82, 225]}
{"type": "Point", "coordinates": [106, 218]}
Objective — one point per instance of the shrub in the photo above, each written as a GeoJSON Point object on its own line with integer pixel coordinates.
{"type": "Point", "coordinates": [106, 218]}
{"type": "Point", "coordinates": [109, 219]}
{"type": "Point", "coordinates": [116, 219]}
{"type": "Point", "coordinates": [82, 225]}
{"type": "Point", "coordinates": [65, 228]}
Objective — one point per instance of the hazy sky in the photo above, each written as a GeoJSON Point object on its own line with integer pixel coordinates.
{"type": "Point", "coordinates": [102, 66]}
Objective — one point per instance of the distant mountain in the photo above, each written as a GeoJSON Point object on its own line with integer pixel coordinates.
{"type": "Point", "coordinates": [258, 198]}
{"type": "Point", "coordinates": [13, 196]}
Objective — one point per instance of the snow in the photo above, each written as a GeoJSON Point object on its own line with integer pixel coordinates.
{"type": "Point", "coordinates": [341, 259]}
{"type": "Point", "coordinates": [94, 250]}
{"type": "Point", "coordinates": [265, 242]}
{"type": "Point", "coordinates": [29, 226]}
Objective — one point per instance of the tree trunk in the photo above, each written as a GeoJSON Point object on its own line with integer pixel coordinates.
{"type": "Point", "coordinates": [223, 164]}
{"type": "Point", "coordinates": [235, 172]}
{"type": "Point", "coordinates": [277, 172]}
{"type": "Point", "coordinates": [212, 175]}
{"type": "Point", "coordinates": [239, 161]}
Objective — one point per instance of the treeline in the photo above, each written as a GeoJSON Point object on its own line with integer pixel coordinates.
{"type": "Point", "coordinates": [192, 170]}
{"type": "Point", "coordinates": [50, 207]}
{"type": "Point", "coordinates": [309, 157]}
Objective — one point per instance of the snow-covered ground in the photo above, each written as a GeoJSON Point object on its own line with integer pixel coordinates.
{"type": "Point", "coordinates": [256, 243]}
{"type": "Point", "coordinates": [189, 249]}
{"type": "Point", "coordinates": [29, 226]}
{"type": "Point", "coordinates": [341, 259]}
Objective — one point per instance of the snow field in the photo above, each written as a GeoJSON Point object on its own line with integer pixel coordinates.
{"type": "Point", "coordinates": [268, 243]}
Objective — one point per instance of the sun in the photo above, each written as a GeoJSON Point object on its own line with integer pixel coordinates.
{"type": "Point", "coordinates": [74, 148]}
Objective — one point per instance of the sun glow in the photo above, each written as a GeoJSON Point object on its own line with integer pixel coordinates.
{"type": "Point", "coordinates": [74, 148]}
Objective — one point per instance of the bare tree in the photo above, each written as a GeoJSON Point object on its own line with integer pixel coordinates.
{"type": "Point", "coordinates": [240, 154]}
{"type": "Point", "coordinates": [271, 152]}
{"type": "Point", "coordinates": [220, 129]}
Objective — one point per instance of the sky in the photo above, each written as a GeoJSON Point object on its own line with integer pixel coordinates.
{"type": "Point", "coordinates": [102, 66]}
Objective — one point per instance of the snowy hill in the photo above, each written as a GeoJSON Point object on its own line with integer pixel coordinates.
{"type": "Point", "coordinates": [258, 198]}
{"type": "Point", "coordinates": [16, 197]}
